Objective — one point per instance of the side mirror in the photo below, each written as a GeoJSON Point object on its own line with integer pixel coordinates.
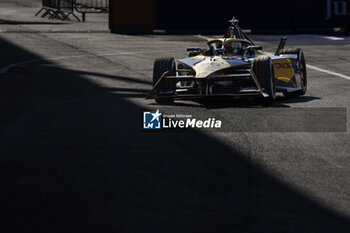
{"type": "Point", "coordinates": [253, 48]}
{"type": "Point", "coordinates": [194, 49]}
{"type": "Point", "coordinates": [250, 50]}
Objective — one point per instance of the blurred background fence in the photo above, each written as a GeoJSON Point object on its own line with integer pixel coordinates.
{"type": "Point", "coordinates": [91, 6]}
{"type": "Point", "coordinates": [62, 9]}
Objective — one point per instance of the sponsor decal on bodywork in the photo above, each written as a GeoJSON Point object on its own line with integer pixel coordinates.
{"type": "Point", "coordinates": [284, 72]}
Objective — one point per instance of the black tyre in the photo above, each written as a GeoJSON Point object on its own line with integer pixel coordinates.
{"type": "Point", "coordinates": [165, 86]}
{"type": "Point", "coordinates": [263, 69]}
{"type": "Point", "coordinates": [303, 73]}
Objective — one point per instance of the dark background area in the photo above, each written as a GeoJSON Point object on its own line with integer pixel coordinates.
{"type": "Point", "coordinates": [260, 16]}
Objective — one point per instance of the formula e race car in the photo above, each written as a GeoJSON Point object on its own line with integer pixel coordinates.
{"type": "Point", "coordinates": [231, 66]}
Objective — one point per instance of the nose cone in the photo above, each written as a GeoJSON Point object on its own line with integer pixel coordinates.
{"type": "Point", "coordinates": [205, 66]}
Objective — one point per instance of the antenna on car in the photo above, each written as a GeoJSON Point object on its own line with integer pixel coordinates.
{"type": "Point", "coordinates": [234, 31]}
{"type": "Point", "coordinates": [233, 21]}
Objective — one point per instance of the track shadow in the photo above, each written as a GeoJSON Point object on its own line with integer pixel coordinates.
{"type": "Point", "coordinates": [14, 22]}
{"type": "Point", "coordinates": [74, 159]}
{"type": "Point", "coordinates": [227, 102]}
{"type": "Point", "coordinates": [299, 99]}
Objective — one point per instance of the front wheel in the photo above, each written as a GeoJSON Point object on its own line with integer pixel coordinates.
{"type": "Point", "coordinates": [164, 87]}
{"type": "Point", "coordinates": [263, 69]}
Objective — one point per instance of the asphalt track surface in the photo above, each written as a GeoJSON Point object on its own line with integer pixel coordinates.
{"type": "Point", "coordinates": [74, 157]}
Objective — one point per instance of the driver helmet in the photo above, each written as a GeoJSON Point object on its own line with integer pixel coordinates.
{"type": "Point", "coordinates": [233, 49]}
{"type": "Point", "coordinates": [236, 48]}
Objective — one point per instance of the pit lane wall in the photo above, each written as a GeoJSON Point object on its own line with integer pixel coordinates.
{"type": "Point", "coordinates": [198, 16]}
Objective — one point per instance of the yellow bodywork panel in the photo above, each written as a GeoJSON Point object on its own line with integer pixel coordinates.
{"type": "Point", "coordinates": [283, 70]}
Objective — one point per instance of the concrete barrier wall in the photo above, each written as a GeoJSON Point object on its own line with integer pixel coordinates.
{"type": "Point", "coordinates": [199, 16]}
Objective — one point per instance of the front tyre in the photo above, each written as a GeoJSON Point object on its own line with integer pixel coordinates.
{"type": "Point", "coordinates": [165, 86]}
{"type": "Point", "coordinates": [263, 69]}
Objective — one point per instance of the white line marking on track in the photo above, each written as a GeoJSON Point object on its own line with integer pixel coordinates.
{"type": "Point", "coordinates": [328, 72]}
{"type": "Point", "coordinates": [333, 38]}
